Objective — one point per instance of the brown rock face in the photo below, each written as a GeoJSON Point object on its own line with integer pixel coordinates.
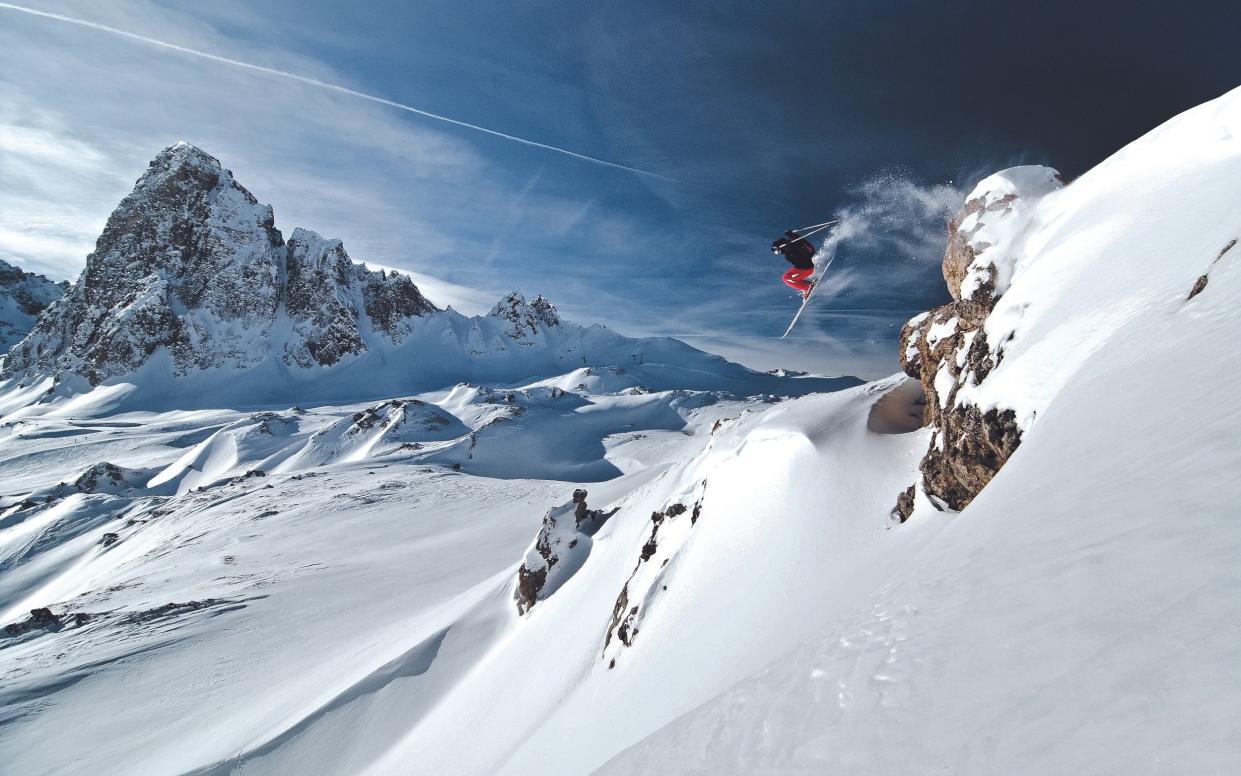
{"type": "Point", "coordinates": [976, 445]}
{"type": "Point", "coordinates": [559, 550]}
{"type": "Point", "coordinates": [529, 583]}
{"type": "Point", "coordinates": [904, 504]}
{"type": "Point", "coordinates": [959, 255]}
{"type": "Point", "coordinates": [946, 349]}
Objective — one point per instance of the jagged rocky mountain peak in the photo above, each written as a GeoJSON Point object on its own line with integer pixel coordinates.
{"type": "Point", "coordinates": [314, 252]}
{"type": "Point", "coordinates": [525, 317]}
{"type": "Point", "coordinates": [545, 311]}
{"type": "Point", "coordinates": [188, 223]}
{"type": "Point", "coordinates": [191, 263]}
{"type": "Point", "coordinates": [14, 279]}
{"type": "Point", "coordinates": [23, 296]}
{"type": "Point", "coordinates": [182, 173]}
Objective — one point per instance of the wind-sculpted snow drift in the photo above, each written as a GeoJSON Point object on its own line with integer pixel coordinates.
{"type": "Point", "coordinates": [423, 586]}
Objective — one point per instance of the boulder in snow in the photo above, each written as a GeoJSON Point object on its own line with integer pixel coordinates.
{"type": "Point", "coordinates": [558, 551]}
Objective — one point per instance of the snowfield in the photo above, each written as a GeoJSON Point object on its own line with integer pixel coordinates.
{"type": "Point", "coordinates": [333, 587]}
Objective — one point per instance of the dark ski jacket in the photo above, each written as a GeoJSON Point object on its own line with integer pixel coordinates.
{"type": "Point", "coordinates": [800, 253]}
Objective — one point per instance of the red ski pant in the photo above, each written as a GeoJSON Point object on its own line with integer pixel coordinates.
{"type": "Point", "coordinates": [798, 277]}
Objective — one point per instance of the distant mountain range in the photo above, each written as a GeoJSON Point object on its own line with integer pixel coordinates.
{"type": "Point", "coordinates": [23, 295]}
{"type": "Point", "coordinates": [191, 282]}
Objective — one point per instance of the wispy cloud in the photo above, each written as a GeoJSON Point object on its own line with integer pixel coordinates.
{"type": "Point", "coordinates": [470, 216]}
{"type": "Point", "coordinates": [319, 84]}
{"type": "Point", "coordinates": [78, 124]}
{"type": "Point", "coordinates": [48, 210]}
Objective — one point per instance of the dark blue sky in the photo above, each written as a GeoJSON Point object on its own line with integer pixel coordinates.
{"type": "Point", "coordinates": [768, 115]}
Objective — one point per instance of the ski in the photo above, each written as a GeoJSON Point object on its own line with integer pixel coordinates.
{"type": "Point", "coordinates": [804, 302]}
{"type": "Point", "coordinates": [799, 312]}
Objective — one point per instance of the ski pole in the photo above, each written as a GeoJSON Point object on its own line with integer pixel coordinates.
{"type": "Point", "coordinates": [812, 231]}
{"type": "Point", "coordinates": [815, 226]}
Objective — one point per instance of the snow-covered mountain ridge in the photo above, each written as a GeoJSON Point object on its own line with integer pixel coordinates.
{"type": "Point", "coordinates": [192, 264]}
{"type": "Point", "coordinates": [23, 295]}
{"type": "Point", "coordinates": [193, 298]}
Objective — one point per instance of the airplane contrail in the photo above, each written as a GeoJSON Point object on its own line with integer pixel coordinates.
{"type": "Point", "coordinates": [325, 85]}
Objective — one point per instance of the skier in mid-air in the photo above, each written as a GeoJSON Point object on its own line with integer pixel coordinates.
{"type": "Point", "coordinates": [800, 253]}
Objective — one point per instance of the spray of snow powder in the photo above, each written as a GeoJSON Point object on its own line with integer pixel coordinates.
{"type": "Point", "coordinates": [893, 215]}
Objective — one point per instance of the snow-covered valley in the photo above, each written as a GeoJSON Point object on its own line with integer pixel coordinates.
{"type": "Point", "coordinates": [329, 584]}
{"type": "Point", "coordinates": [510, 544]}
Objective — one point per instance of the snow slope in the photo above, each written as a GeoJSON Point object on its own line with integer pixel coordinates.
{"type": "Point", "coordinates": [1079, 616]}
{"type": "Point", "coordinates": [393, 558]}
{"type": "Point", "coordinates": [745, 602]}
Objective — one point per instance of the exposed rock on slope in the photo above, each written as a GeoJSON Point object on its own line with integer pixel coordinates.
{"type": "Point", "coordinates": [947, 349]}
{"type": "Point", "coordinates": [658, 559]}
{"type": "Point", "coordinates": [192, 263]}
{"type": "Point", "coordinates": [1201, 283]}
{"type": "Point", "coordinates": [984, 239]}
{"type": "Point", "coordinates": [558, 551]}
{"type": "Point", "coordinates": [23, 295]}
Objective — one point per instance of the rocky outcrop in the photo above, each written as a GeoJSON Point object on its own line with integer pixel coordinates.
{"type": "Point", "coordinates": [109, 478]}
{"type": "Point", "coordinates": [525, 318]}
{"type": "Point", "coordinates": [23, 296]}
{"type": "Point", "coordinates": [558, 551]}
{"type": "Point", "coordinates": [190, 263]}
{"type": "Point", "coordinates": [947, 349]}
{"type": "Point", "coordinates": [985, 237]}
{"type": "Point", "coordinates": [1200, 284]}
{"type": "Point", "coordinates": [671, 528]}
{"type": "Point", "coordinates": [959, 253]}
{"type": "Point", "coordinates": [105, 478]}
{"type": "Point", "coordinates": [41, 619]}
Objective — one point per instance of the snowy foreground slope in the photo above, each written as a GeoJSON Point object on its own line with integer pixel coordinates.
{"type": "Point", "coordinates": [1081, 615]}
{"type": "Point", "coordinates": [335, 589]}
{"type": "Point", "coordinates": [358, 615]}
